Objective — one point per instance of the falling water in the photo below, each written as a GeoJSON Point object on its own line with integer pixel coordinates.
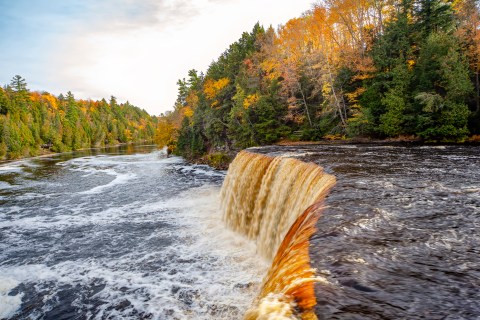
{"type": "Point", "coordinates": [277, 202]}
{"type": "Point", "coordinates": [127, 233]}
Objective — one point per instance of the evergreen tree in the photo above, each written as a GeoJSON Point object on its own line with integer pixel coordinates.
{"type": "Point", "coordinates": [442, 85]}
{"type": "Point", "coordinates": [387, 94]}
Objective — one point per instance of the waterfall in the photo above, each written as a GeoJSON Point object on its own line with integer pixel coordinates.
{"type": "Point", "coordinates": [277, 202]}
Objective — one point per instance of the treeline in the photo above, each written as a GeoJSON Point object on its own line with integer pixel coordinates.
{"type": "Point", "coordinates": [346, 68]}
{"type": "Point", "coordinates": [30, 121]}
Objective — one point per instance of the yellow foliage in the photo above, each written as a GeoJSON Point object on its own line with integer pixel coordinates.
{"type": "Point", "coordinates": [164, 133]}
{"type": "Point", "coordinates": [192, 100]}
{"type": "Point", "coordinates": [51, 100]}
{"type": "Point", "coordinates": [352, 97]}
{"type": "Point", "coordinates": [128, 134]}
{"type": "Point", "coordinates": [35, 96]}
{"type": "Point", "coordinates": [212, 88]}
{"type": "Point", "coordinates": [187, 112]}
{"type": "Point", "coordinates": [326, 89]}
{"type": "Point", "coordinates": [271, 68]}
{"type": "Point", "coordinates": [410, 64]}
{"type": "Point", "coordinates": [249, 100]}
{"type": "Point", "coordinates": [335, 137]}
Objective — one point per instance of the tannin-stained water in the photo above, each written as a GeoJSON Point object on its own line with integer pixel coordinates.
{"type": "Point", "coordinates": [121, 233]}
{"type": "Point", "coordinates": [130, 234]}
{"type": "Point", "coordinates": [277, 202]}
{"type": "Point", "coordinates": [400, 238]}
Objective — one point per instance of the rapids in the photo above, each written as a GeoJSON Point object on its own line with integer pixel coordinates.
{"type": "Point", "coordinates": [128, 233]}
{"type": "Point", "coordinates": [122, 233]}
{"type": "Point", "coordinates": [400, 238]}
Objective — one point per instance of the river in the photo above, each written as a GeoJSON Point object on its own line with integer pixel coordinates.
{"type": "Point", "coordinates": [401, 236]}
{"type": "Point", "coordinates": [129, 233]}
{"type": "Point", "coordinates": [120, 233]}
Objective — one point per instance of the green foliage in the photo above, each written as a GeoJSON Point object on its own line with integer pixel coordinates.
{"type": "Point", "coordinates": [29, 120]}
{"type": "Point", "coordinates": [421, 82]}
{"type": "Point", "coordinates": [433, 16]}
{"type": "Point", "coordinates": [404, 75]}
{"type": "Point", "coordinates": [396, 101]}
{"type": "Point", "coordinates": [190, 142]}
{"type": "Point", "coordinates": [386, 98]}
{"type": "Point", "coordinates": [218, 160]}
{"type": "Point", "coordinates": [442, 87]}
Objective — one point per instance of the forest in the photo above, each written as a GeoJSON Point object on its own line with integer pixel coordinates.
{"type": "Point", "coordinates": [374, 69]}
{"type": "Point", "coordinates": [32, 123]}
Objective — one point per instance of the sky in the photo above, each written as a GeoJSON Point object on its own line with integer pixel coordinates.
{"type": "Point", "coordinates": [135, 50]}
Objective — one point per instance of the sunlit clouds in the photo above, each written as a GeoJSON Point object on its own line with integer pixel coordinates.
{"type": "Point", "coordinates": [134, 50]}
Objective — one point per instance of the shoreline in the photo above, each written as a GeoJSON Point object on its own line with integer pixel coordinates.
{"type": "Point", "coordinates": [474, 140]}
{"type": "Point", "coordinates": [47, 153]}
{"type": "Point", "coordinates": [220, 160]}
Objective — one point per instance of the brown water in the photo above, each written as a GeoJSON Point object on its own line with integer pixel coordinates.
{"type": "Point", "coordinates": [277, 202]}
{"type": "Point", "coordinates": [401, 236]}
{"type": "Point", "coordinates": [120, 233]}
{"type": "Point", "coordinates": [126, 233]}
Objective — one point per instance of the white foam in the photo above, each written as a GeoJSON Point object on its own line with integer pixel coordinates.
{"type": "Point", "coordinates": [202, 170]}
{"type": "Point", "coordinates": [17, 166]}
{"type": "Point", "coordinates": [5, 185]}
{"type": "Point", "coordinates": [434, 147]}
{"type": "Point", "coordinates": [11, 168]}
{"type": "Point", "coordinates": [294, 154]}
{"type": "Point", "coordinates": [219, 267]}
{"type": "Point", "coordinates": [371, 223]}
{"type": "Point", "coordinates": [120, 178]}
{"type": "Point", "coordinates": [9, 304]}
{"type": "Point", "coordinates": [215, 267]}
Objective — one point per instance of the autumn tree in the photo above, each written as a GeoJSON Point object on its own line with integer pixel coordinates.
{"type": "Point", "coordinates": [29, 120]}
{"type": "Point", "coordinates": [468, 19]}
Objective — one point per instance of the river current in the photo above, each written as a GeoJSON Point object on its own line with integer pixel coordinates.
{"type": "Point", "coordinates": [121, 233]}
{"type": "Point", "coordinates": [127, 233]}
{"type": "Point", "coordinates": [401, 236]}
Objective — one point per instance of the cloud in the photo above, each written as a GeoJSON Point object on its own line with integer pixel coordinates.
{"type": "Point", "coordinates": [120, 15]}
{"type": "Point", "coordinates": [132, 49]}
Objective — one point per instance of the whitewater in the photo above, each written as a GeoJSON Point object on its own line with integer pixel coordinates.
{"type": "Point", "coordinates": [127, 233]}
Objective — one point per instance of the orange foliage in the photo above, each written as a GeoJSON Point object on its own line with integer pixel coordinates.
{"type": "Point", "coordinates": [187, 112]}
{"type": "Point", "coordinates": [212, 88]}
{"type": "Point", "coordinates": [35, 96]}
{"type": "Point", "coordinates": [51, 100]}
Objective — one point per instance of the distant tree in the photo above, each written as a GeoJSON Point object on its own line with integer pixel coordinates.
{"type": "Point", "coordinates": [20, 93]}
{"type": "Point", "coordinates": [18, 84]}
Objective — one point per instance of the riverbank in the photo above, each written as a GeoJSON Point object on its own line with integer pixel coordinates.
{"type": "Point", "coordinates": [48, 153]}
{"type": "Point", "coordinates": [220, 160]}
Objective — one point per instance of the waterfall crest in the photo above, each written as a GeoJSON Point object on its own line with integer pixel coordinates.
{"type": "Point", "coordinates": [277, 202]}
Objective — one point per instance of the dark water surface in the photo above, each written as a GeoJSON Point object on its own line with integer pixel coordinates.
{"type": "Point", "coordinates": [120, 233]}
{"type": "Point", "coordinates": [126, 233]}
{"type": "Point", "coordinates": [401, 238]}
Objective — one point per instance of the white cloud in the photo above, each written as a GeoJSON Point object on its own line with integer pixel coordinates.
{"type": "Point", "coordinates": [140, 54]}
